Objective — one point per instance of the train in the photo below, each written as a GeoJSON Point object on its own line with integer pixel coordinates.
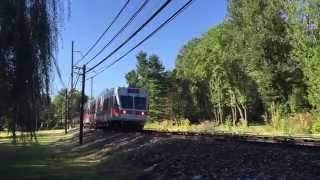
{"type": "Point", "coordinates": [121, 106]}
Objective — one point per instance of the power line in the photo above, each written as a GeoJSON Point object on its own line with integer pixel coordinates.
{"type": "Point", "coordinates": [78, 76]}
{"type": "Point", "coordinates": [185, 6]}
{"type": "Point", "coordinates": [58, 71]}
{"type": "Point", "coordinates": [107, 29]}
{"type": "Point", "coordinates": [121, 30]}
{"type": "Point", "coordinates": [132, 35]}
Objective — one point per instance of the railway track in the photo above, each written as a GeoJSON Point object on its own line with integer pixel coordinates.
{"type": "Point", "coordinates": [284, 140]}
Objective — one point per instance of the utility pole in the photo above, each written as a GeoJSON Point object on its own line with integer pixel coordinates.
{"type": "Point", "coordinates": [71, 88]}
{"type": "Point", "coordinates": [82, 103]}
{"type": "Point", "coordinates": [66, 113]}
{"type": "Point", "coordinates": [72, 65]}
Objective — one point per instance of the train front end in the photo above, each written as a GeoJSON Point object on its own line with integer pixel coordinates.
{"type": "Point", "coordinates": [132, 106]}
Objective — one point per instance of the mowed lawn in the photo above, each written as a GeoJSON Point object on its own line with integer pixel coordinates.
{"type": "Point", "coordinates": [53, 156]}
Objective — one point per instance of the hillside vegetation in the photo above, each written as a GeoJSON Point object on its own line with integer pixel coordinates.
{"type": "Point", "coordinates": [261, 65]}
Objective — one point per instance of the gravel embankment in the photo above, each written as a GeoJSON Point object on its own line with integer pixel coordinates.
{"type": "Point", "coordinates": [184, 158]}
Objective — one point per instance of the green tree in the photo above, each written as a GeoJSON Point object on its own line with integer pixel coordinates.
{"type": "Point", "coordinates": [58, 105]}
{"type": "Point", "coordinates": [150, 75]}
{"type": "Point", "coordinates": [260, 40]}
{"type": "Point", "coordinates": [303, 17]}
{"type": "Point", "coordinates": [264, 53]}
{"type": "Point", "coordinates": [132, 79]}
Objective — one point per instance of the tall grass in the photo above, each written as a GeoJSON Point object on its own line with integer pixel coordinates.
{"type": "Point", "coordinates": [280, 123]}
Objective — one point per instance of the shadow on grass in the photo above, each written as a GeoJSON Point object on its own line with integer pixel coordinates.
{"type": "Point", "coordinates": [52, 156]}
{"type": "Point", "coordinates": [133, 155]}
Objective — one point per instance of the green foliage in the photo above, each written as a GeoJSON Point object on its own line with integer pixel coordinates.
{"type": "Point", "coordinates": [151, 76]}
{"type": "Point", "coordinates": [301, 123]}
{"type": "Point", "coordinates": [304, 29]}
{"type": "Point", "coordinates": [169, 125]}
{"type": "Point", "coordinates": [277, 112]}
{"type": "Point", "coordinates": [59, 109]}
{"type": "Point", "coordinates": [262, 61]}
{"type": "Point", "coordinates": [259, 56]}
{"type": "Point", "coordinates": [316, 127]}
{"type": "Point", "coordinates": [296, 123]}
{"type": "Point", "coordinates": [132, 79]}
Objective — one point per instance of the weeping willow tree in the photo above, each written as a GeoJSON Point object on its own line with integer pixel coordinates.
{"type": "Point", "coordinates": [28, 44]}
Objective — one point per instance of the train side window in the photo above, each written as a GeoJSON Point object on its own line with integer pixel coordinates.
{"type": "Point", "coordinates": [108, 102]}
{"type": "Point", "coordinates": [105, 104]}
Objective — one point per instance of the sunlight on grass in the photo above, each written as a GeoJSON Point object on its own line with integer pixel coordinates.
{"type": "Point", "coordinates": [48, 158]}
{"type": "Point", "coordinates": [43, 137]}
{"type": "Point", "coordinates": [212, 128]}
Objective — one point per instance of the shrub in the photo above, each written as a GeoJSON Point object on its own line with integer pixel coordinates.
{"type": "Point", "coordinates": [300, 123]}
{"type": "Point", "coordinates": [228, 124]}
{"type": "Point", "coordinates": [205, 127]}
{"type": "Point", "coordinates": [277, 120]}
{"type": "Point", "coordinates": [170, 125]}
{"type": "Point", "coordinates": [316, 127]}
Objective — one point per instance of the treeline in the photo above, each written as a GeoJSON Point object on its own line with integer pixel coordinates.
{"type": "Point", "coordinates": [151, 74]}
{"type": "Point", "coordinates": [264, 57]}
{"type": "Point", "coordinates": [58, 112]}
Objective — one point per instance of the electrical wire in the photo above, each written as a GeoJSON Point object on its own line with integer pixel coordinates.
{"type": "Point", "coordinates": [132, 35]}
{"type": "Point", "coordinates": [121, 30]}
{"type": "Point", "coordinates": [105, 31]}
{"type": "Point", "coordinates": [184, 7]}
{"type": "Point", "coordinates": [78, 77]}
{"type": "Point", "coordinates": [58, 71]}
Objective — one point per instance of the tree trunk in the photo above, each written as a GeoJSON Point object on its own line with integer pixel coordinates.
{"type": "Point", "coordinates": [245, 114]}
{"type": "Point", "coordinates": [215, 116]}
{"type": "Point", "coordinates": [220, 113]}
{"type": "Point", "coordinates": [233, 117]}
{"type": "Point", "coordinates": [240, 112]}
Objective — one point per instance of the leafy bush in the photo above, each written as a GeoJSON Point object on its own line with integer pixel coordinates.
{"type": "Point", "coordinates": [316, 127]}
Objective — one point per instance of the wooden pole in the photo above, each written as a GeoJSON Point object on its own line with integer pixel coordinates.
{"type": "Point", "coordinates": [66, 113]}
{"type": "Point", "coordinates": [82, 103]}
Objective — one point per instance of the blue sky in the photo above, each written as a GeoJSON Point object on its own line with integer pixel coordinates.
{"type": "Point", "coordinates": [90, 18]}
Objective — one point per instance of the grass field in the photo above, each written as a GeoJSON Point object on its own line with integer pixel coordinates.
{"type": "Point", "coordinates": [54, 155]}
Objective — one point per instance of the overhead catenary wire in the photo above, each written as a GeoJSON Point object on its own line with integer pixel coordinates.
{"type": "Point", "coordinates": [132, 35]}
{"type": "Point", "coordinates": [135, 14]}
{"type": "Point", "coordinates": [105, 31]}
{"type": "Point", "coordinates": [184, 7]}
{"type": "Point", "coordinates": [78, 77]}
{"type": "Point", "coordinates": [58, 71]}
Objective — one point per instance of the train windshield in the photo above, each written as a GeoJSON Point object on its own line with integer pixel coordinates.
{"type": "Point", "coordinates": [126, 102]}
{"type": "Point", "coordinates": [140, 103]}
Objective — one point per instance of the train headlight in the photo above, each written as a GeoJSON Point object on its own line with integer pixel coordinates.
{"type": "Point", "coordinates": [142, 113]}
